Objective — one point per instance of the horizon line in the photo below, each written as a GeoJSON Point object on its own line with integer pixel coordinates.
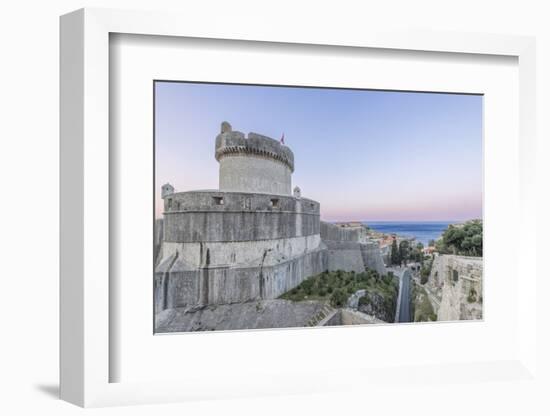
{"type": "Point", "coordinates": [378, 220]}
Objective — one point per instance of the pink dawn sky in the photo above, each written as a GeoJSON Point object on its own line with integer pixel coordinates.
{"type": "Point", "coordinates": [364, 155]}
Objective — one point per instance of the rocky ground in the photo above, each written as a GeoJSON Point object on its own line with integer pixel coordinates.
{"type": "Point", "coordinates": [377, 305]}
{"type": "Point", "coordinates": [276, 313]}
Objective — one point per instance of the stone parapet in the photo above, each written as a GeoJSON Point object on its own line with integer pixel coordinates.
{"type": "Point", "coordinates": [337, 233]}
{"type": "Point", "coordinates": [207, 216]}
{"type": "Point", "coordinates": [235, 142]}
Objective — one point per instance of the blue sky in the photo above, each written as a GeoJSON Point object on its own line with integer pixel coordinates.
{"type": "Point", "coordinates": [364, 155]}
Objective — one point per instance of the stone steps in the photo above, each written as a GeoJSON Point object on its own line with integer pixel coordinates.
{"type": "Point", "coordinates": [325, 311]}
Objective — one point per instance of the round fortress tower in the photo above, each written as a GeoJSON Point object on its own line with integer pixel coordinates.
{"type": "Point", "coordinates": [256, 164]}
{"type": "Point", "coordinates": [251, 239]}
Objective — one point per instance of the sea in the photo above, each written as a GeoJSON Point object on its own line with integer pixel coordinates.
{"type": "Point", "coordinates": [422, 231]}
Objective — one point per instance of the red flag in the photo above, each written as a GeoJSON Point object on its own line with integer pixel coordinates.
{"type": "Point", "coordinates": [283, 139]}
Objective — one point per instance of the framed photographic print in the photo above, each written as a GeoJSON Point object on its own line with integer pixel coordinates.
{"type": "Point", "coordinates": [397, 238]}
{"type": "Point", "coordinates": [278, 209]}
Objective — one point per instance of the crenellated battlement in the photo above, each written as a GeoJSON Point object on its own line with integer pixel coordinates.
{"type": "Point", "coordinates": [252, 239]}
{"type": "Point", "coordinates": [230, 142]}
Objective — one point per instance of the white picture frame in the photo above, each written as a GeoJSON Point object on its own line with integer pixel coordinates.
{"type": "Point", "coordinates": [86, 353]}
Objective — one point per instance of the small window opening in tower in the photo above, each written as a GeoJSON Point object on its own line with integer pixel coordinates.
{"type": "Point", "coordinates": [218, 200]}
{"type": "Point", "coordinates": [275, 203]}
{"type": "Point", "coordinates": [170, 203]}
{"type": "Point", "coordinates": [455, 275]}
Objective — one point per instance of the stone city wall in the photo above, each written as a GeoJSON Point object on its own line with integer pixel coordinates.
{"type": "Point", "coordinates": [350, 317]}
{"type": "Point", "coordinates": [344, 255]}
{"type": "Point", "coordinates": [349, 249]}
{"type": "Point", "coordinates": [230, 216]}
{"type": "Point", "coordinates": [336, 233]}
{"type": "Point", "coordinates": [177, 286]}
{"type": "Point", "coordinates": [372, 257]}
{"type": "Point", "coordinates": [158, 238]}
{"type": "Point", "coordinates": [456, 282]}
{"type": "Point", "coordinates": [241, 253]}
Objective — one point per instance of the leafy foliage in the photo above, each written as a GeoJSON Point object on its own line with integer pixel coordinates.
{"type": "Point", "coordinates": [395, 256]}
{"type": "Point", "coordinates": [423, 309]}
{"type": "Point", "coordinates": [405, 251]}
{"type": "Point", "coordinates": [472, 296]}
{"type": "Point", "coordinates": [338, 298]}
{"type": "Point", "coordinates": [463, 239]}
{"type": "Point", "coordinates": [416, 253]}
{"type": "Point", "coordinates": [338, 286]}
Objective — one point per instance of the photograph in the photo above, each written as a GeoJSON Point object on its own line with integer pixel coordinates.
{"type": "Point", "coordinates": [299, 206]}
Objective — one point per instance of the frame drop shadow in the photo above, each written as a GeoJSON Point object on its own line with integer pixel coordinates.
{"type": "Point", "coordinates": [51, 390]}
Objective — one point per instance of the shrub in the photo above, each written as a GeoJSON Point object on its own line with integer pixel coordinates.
{"type": "Point", "coordinates": [337, 286]}
{"type": "Point", "coordinates": [425, 272]}
{"type": "Point", "coordinates": [464, 239]}
{"type": "Point", "coordinates": [338, 298]}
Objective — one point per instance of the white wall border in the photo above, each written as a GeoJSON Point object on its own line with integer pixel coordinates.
{"type": "Point", "coordinates": [85, 201]}
{"type": "Point", "coordinates": [135, 61]}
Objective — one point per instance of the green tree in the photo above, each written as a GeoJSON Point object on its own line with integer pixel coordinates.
{"type": "Point", "coordinates": [420, 248]}
{"type": "Point", "coordinates": [464, 239]}
{"type": "Point", "coordinates": [338, 298]}
{"type": "Point", "coordinates": [394, 255]}
{"type": "Point", "coordinates": [416, 253]}
{"type": "Point", "coordinates": [404, 249]}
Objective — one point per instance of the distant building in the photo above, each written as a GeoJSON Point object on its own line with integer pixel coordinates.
{"type": "Point", "coordinates": [429, 250]}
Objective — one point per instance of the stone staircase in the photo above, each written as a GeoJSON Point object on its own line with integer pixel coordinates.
{"type": "Point", "coordinates": [325, 311]}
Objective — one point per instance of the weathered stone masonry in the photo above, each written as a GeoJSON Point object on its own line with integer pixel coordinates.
{"type": "Point", "coordinates": [349, 249]}
{"type": "Point", "coordinates": [249, 240]}
{"type": "Point", "coordinates": [254, 163]}
{"type": "Point", "coordinates": [237, 216]}
{"type": "Point", "coordinates": [456, 285]}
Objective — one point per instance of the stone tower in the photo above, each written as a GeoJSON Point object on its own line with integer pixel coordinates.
{"type": "Point", "coordinates": [255, 164]}
{"type": "Point", "coordinates": [166, 190]}
{"type": "Point", "coordinates": [249, 240]}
